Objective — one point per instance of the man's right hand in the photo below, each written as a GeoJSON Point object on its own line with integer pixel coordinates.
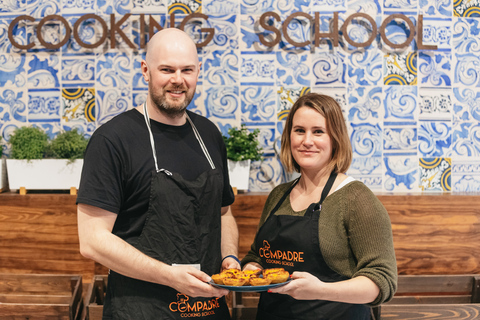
{"type": "Point", "coordinates": [193, 282]}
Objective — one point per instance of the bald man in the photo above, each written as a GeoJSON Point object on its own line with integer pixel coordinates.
{"type": "Point", "coordinates": [154, 197]}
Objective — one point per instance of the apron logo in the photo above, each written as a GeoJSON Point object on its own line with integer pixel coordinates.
{"type": "Point", "coordinates": [195, 308]}
{"type": "Point", "coordinates": [286, 258]}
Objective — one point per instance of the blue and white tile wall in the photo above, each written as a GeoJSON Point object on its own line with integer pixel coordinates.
{"type": "Point", "coordinates": [413, 115]}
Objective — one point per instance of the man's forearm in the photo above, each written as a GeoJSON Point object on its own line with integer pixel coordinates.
{"type": "Point", "coordinates": [229, 244]}
{"type": "Point", "coordinates": [99, 244]}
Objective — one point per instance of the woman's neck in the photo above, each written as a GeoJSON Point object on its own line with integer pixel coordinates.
{"type": "Point", "coordinates": [309, 183]}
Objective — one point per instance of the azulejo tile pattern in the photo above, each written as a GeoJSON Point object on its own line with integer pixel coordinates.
{"type": "Point", "coordinates": [413, 114]}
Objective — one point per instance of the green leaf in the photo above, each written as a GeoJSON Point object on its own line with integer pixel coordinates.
{"type": "Point", "coordinates": [28, 143]}
{"type": "Point", "coordinates": [243, 144]}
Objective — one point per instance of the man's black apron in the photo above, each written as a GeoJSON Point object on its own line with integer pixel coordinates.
{"type": "Point", "coordinates": [183, 226]}
{"type": "Point", "coordinates": [291, 242]}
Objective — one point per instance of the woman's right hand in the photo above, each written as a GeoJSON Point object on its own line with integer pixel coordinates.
{"type": "Point", "coordinates": [252, 266]}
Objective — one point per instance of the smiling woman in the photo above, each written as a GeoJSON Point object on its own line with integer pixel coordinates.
{"type": "Point", "coordinates": [323, 207]}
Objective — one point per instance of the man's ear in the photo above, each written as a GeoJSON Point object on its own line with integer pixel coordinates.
{"type": "Point", "coordinates": [199, 69]}
{"type": "Point", "coordinates": [144, 68]}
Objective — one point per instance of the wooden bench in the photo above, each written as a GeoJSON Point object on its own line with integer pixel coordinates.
{"type": "Point", "coordinates": [40, 297]}
{"type": "Point", "coordinates": [435, 297]}
{"type": "Point", "coordinates": [418, 297]}
{"type": "Point", "coordinates": [95, 298]}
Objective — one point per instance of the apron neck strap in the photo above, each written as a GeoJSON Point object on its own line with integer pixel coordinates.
{"type": "Point", "coordinates": [195, 131]}
{"type": "Point", "coordinates": [326, 190]}
{"type": "Point", "coordinates": [279, 203]}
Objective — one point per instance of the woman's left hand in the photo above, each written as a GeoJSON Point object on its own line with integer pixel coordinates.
{"type": "Point", "coordinates": [303, 286]}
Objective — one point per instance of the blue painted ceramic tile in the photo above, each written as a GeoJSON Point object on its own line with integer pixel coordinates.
{"type": "Point", "coordinates": [50, 128]}
{"type": "Point", "coordinates": [465, 142]}
{"type": "Point", "coordinates": [13, 106]}
{"type": "Point", "coordinates": [43, 70]}
{"type": "Point", "coordinates": [436, 7]}
{"type": "Point", "coordinates": [328, 5]}
{"type": "Point", "coordinates": [265, 175]}
{"type": "Point", "coordinates": [84, 6]}
{"type": "Point", "coordinates": [20, 32]}
{"type": "Point", "coordinates": [292, 69]}
{"type": "Point", "coordinates": [197, 104]}
{"type": "Point", "coordinates": [149, 6]}
{"type": "Point", "coordinates": [465, 104]}
{"type": "Point", "coordinates": [466, 176]}
{"type": "Point", "coordinates": [226, 35]}
{"type": "Point", "coordinates": [258, 104]}
{"type": "Point", "coordinates": [257, 69]}
{"type": "Point", "coordinates": [41, 8]}
{"type": "Point", "coordinates": [398, 32]}
{"type": "Point", "coordinates": [329, 68]}
{"type": "Point", "coordinates": [110, 102]}
{"type": "Point", "coordinates": [435, 68]}
{"type": "Point", "coordinates": [401, 174]}
{"type": "Point", "coordinates": [281, 7]}
{"type": "Point", "coordinates": [466, 35]}
{"type": "Point", "coordinates": [89, 31]}
{"type": "Point", "coordinates": [466, 8]}
{"type": "Point", "coordinates": [435, 103]}
{"type": "Point", "coordinates": [400, 139]}
{"type": "Point", "coordinates": [400, 69]}
{"type": "Point", "coordinates": [14, 74]}
{"type": "Point", "coordinates": [44, 105]}
{"type": "Point", "coordinates": [434, 138]}
{"type": "Point", "coordinates": [365, 103]}
{"type": "Point", "coordinates": [400, 103]}
{"type": "Point", "coordinates": [13, 7]}
{"type": "Point", "coordinates": [222, 102]}
{"type": "Point", "coordinates": [79, 107]}
{"type": "Point", "coordinates": [184, 7]}
{"type": "Point", "coordinates": [113, 7]}
{"type": "Point", "coordinates": [437, 31]}
{"type": "Point", "coordinates": [435, 174]}
{"type": "Point", "coordinates": [266, 135]}
{"type": "Point", "coordinates": [78, 70]}
{"type": "Point", "coordinates": [250, 32]}
{"type": "Point", "coordinates": [365, 67]}
{"type": "Point", "coordinates": [220, 7]}
{"type": "Point", "coordinates": [467, 69]}
{"type": "Point", "coordinates": [221, 68]}
{"type": "Point", "coordinates": [401, 4]}
{"type": "Point", "coordinates": [370, 7]}
{"type": "Point", "coordinates": [114, 70]}
{"type": "Point", "coordinates": [366, 140]}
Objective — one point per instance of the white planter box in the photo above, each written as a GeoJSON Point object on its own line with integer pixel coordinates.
{"type": "Point", "coordinates": [3, 175]}
{"type": "Point", "coordinates": [239, 172]}
{"type": "Point", "coordinates": [45, 174]}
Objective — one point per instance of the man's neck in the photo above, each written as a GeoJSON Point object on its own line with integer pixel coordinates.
{"type": "Point", "coordinates": [162, 117]}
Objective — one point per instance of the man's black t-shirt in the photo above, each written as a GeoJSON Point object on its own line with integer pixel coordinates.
{"type": "Point", "coordinates": [119, 164]}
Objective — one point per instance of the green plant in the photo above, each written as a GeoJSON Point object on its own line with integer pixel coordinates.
{"type": "Point", "coordinates": [28, 143]}
{"type": "Point", "coordinates": [68, 145]}
{"type": "Point", "coordinates": [243, 144]}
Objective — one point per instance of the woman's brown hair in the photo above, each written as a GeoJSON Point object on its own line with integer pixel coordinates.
{"type": "Point", "coordinates": [336, 129]}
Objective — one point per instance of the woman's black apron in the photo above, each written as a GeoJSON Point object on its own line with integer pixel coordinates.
{"type": "Point", "coordinates": [291, 242]}
{"type": "Point", "coordinates": [183, 226]}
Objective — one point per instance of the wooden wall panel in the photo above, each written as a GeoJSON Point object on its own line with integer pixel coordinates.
{"type": "Point", "coordinates": [433, 234]}
{"type": "Point", "coordinates": [38, 234]}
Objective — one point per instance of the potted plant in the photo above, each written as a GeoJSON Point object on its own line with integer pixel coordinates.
{"type": "Point", "coordinates": [40, 163]}
{"type": "Point", "coordinates": [242, 148]}
{"type": "Point", "coordinates": [3, 170]}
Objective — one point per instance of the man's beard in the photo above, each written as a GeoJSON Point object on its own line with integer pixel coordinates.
{"type": "Point", "coordinates": [171, 110]}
